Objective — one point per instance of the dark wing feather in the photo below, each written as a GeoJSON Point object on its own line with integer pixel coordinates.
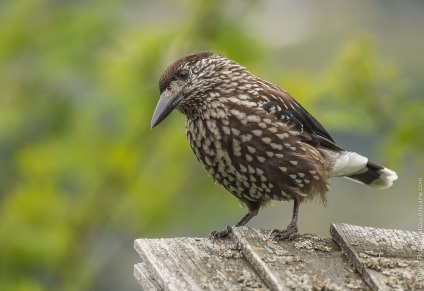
{"type": "Point", "coordinates": [287, 109]}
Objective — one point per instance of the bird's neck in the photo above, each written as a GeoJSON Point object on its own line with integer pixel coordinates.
{"type": "Point", "coordinates": [204, 107]}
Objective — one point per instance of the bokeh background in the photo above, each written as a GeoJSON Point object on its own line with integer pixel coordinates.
{"type": "Point", "coordinates": [82, 174]}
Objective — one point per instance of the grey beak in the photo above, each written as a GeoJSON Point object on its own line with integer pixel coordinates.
{"type": "Point", "coordinates": [164, 108]}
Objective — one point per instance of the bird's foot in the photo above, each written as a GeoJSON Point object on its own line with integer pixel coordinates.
{"type": "Point", "coordinates": [289, 233]}
{"type": "Point", "coordinates": [220, 234]}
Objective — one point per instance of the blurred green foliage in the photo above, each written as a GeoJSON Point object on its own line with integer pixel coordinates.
{"type": "Point", "coordinates": [78, 160]}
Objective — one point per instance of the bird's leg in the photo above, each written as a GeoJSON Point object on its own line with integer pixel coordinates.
{"type": "Point", "coordinates": [291, 231]}
{"type": "Point", "coordinates": [253, 211]}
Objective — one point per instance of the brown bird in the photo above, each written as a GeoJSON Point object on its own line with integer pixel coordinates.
{"type": "Point", "coordinates": [255, 139]}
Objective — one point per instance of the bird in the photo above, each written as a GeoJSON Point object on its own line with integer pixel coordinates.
{"type": "Point", "coordinates": [254, 139]}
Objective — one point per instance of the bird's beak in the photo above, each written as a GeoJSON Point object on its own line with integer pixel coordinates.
{"type": "Point", "coordinates": [165, 107]}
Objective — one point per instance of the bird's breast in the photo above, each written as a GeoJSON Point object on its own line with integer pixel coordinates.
{"type": "Point", "coordinates": [254, 157]}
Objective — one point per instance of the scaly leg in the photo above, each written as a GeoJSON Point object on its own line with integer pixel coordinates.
{"type": "Point", "coordinates": [291, 231]}
{"type": "Point", "coordinates": [253, 211]}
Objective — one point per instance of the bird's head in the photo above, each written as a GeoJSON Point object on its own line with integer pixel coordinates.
{"type": "Point", "coordinates": [187, 83]}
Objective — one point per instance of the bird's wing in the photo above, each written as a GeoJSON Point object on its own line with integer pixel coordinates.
{"type": "Point", "coordinates": [285, 108]}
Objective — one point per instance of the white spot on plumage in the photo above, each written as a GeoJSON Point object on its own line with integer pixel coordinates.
{"type": "Point", "coordinates": [266, 140]}
{"type": "Point", "coordinates": [208, 162]}
{"type": "Point", "coordinates": [251, 169]}
{"type": "Point", "coordinates": [293, 176]}
{"type": "Point", "coordinates": [276, 146]}
{"type": "Point", "coordinates": [205, 147]}
{"type": "Point", "coordinates": [212, 127]}
{"type": "Point", "coordinates": [273, 130]}
{"type": "Point", "coordinates": [234, 100]}
{"type": "Point", "coordinates": [301, 175]}
{"type": "Point", "coordinates": [257, 132]}
{"type": "Point", "coordinates": [281, 135]}
{"type": "Point", "coordinates": [246, 137]}
{"type": "Point", "coordinates": [226, 130]}
{"type": "Point", "coordinates": [222, 171]}
{"type": "Point", "coordinates": [253, 118]}
{"type": "Point", "coordinates": [249, 158]}
{"type": "Point", "coordinates": [294, 163]}
{"type": "Point", "coordinates": [240, 115]}
{"type": "Point", "coordinates": [284, 169]}
{"type": "Point", "coordinates": [251, 150]}
{"type": "Point", "coordinates": [279, 156]}
{"type": "Point", "coordinates": [217, 144]}
{"type": "Point", "coordinates": [243, 168]}
{"type": "Point", "coordinates": [270, 154]}
{"type": "Point", "coordinates": [235, 131]}
{"type": "Point", "coordinates": [289, 146]}
{"type": "Point", "coordinates": [259, 171]}
{"type": "Point", "coordinates": [220, 153]}
{"type": "Point", "coordinates": [239, 176]}
{"type": "Point", "coordinates": [260, 159]}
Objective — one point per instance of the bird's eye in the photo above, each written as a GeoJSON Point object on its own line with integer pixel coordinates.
{"type": "Point", "coordinates": [183, 75]}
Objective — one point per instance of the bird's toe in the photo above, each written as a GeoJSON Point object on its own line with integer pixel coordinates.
{"type": "Point", "coordinates": [220, 234]}
{"type": "Point", "coordinates": [288, 234]}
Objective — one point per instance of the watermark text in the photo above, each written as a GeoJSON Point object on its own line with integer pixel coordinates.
{"type": "Point", "coordinates": [419, 281]}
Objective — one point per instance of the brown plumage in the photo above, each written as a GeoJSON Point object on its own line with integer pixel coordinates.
{"type": "Point", "coordinates": [254, 139]}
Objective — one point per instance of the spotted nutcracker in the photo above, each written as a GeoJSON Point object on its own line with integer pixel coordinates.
{"type": "Point", "coordinates": [255, 139]}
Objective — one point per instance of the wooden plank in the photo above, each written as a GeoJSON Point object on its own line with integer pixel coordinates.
{"type": "Point", "coordinates": [249, 259]}
{"type": "Point", "coordinates": [194, 264]}
{"type": "Point", "coordinates": [386, 258]}
{"type": "Point", "coordinates": [142, 274]}
{"type": "Point", "coordinates": [309, 262]}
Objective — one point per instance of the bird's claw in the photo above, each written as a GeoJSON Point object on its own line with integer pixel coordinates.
{"type": "Point", "coordinates": [220, 234]}
{"type": "Point", "coordinates": [288, 234]}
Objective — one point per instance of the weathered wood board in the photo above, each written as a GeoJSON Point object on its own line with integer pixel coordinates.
{"type": "Point", "coordinates": [386, 258]}
{"type": "Point", "coordinates": [356, 258]}
{"type": "Point", "coordinates": [194, 264]}
{"type": "Point", "coordinates": [310, 262]}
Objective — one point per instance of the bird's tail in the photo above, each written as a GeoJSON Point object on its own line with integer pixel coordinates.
{"type": "Point", "coordinates": [357, 168]}
{"type": "Point", "coordinates": [375, 176]}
